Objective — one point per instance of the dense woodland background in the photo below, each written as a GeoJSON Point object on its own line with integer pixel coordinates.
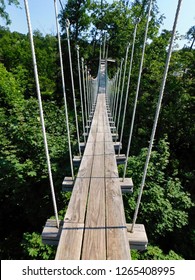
{"type": "Point", "coordinates": [167, 208]}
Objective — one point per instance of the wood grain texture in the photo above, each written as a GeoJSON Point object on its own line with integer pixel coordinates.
{"type": "Point", "coordinates": [138, 236]}
{"type": "Point", "coordinates": [70, 244]}
{"type": "Point", "coordinates": [94, 224]}
{"type": "Point", "coordinates": [94, 245]}
{"type": "Point", "coordinates": [51, 234]}
{"type": "Point", "coordinates": [117, 241]}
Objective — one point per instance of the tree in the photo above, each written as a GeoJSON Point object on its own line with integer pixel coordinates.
{"type": "Point", "coordinates": [34, 248]}
{"type": "Point", "coordinates": [15, 56]}
{"type": "Point", "coordinates": [191, 36]}
{"type": "Point", "coordinates": [3, 12]}
{"type": "Point", "coordinates": [165, 205]}
{"type": "Point", "coordinates": [77, 13]}
{"type": "Point", "coordinates": [23, 169]}
{"type": "Point", "coordinates": [154, 253]}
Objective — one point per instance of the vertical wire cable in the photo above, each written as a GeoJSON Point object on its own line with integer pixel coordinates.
{"type": "Point", "coordinates": [138, 86]}
{"type": "Point", "coordinates": [100, 51]}
{"type": "Point", "coordinates": [72, 82]}
{"type": "Point", "coordinates": [87, 90]}
{"type": "Point", "coordinates": [64, 89]}
{"type": "Point", "coordinates": [104, 46]}
{"type": "Point", "coordinates": [128, 83]}
{"type": "Point", "coordinates": [84, 89]}
{"type": "Point", "coordinates": [81, 94]}
{"type": "Point", "coordinates": [157, 113]}
{"type": "Point", "coordinates": [41, 111]}
{"type": "Point", "coordinates": [114, 92]}
{"type": "Point", "coordinates": [61, 5]}
{"type": "Point", "coordinates": [114, 87]}
{"type": "Point", "coordinates": [118, 91]}
{"type": "Point", "coordinates": [123, 84]}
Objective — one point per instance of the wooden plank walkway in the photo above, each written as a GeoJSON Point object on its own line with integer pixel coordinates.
{"type": "Point", "coordinates": [94, 226]}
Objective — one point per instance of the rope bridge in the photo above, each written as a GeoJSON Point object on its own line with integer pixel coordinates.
{"type": "Point", "coordinates": [94, 226]}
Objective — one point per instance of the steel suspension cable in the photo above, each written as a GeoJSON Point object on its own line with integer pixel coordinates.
{"type": "Point", "coordinates": [100, 53]}
{"type": "Point", "coordinates": [128, 84]}
{"type": "Point", "coordinates": [64, 89]}
{"type": "Point", "coordinates": [123, 84]}
{"type": "Point", "coordinates": [157, 113]}
{"type": "Point", "coordinates": [80, 88]}
{"type": "Point", "coordinates": [41, 111]}
{"type": "Point", "coordinates": [61, 5]}
{"type": "Point", "coordinates": [138, 87]}
{"type": "Point", "coordinates": [116, 90]}
{"type": "Point", "coordinates": [72, 82]}
{"type": "Point", "coordinates": [119, 85]}
{"type": "Point", "coordinates": [87, 90]}
{"type": "Point", "coordinates": [104, 46]}
{"type": "Point", "coordinates": [84, 89]}
{"type": "Point", "coordinates": [114, 94]}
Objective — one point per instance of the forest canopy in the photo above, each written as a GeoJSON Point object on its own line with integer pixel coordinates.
{"type": "Point", "coordinates": [167, 208]}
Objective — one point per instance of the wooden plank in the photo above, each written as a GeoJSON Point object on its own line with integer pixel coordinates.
{"type": "Point", "coordinates": [89, 150]}
{"type": "Point", "coordinates": [138, 238]}
{"type": "Point", "coordinates": [100, 137]}
{"type": "Point", "coordinates": [95, 220]}
{"type": "Point", "coordinates": [111, 170]}
{"type": "Point", "coordinates": [70, 243]}
{"type": "Point", "coordinates": [77, 204]}
{"type": "Point", "coordinates": [51, 234]}
{"type": "Point", "coordinates": [94, 244]}
{"type": "Point", "coordinates": [78, 200]}
{"type": "Point", "coordinates": [117, 241]}
{"type": "Point", "coordinates": [68, 182]}
{"type": "Point", "coordinates": [71, 239]}
{"type": "Point", "coordinates": [126, 185]}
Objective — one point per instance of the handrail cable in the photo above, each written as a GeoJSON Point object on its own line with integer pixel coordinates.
{"type": "Point", "coordinates": [64, 90]}
{"type": "Point", "coordinates": [123, 84]}
{"type": "Point", "coordinates": [80, 88]}
{"type": "Point", "coordinates": [128, 84]}
{"type": "Point", "coordinates": [138, 87]}
{"type": "Point", "coordinates": [84, 91]}
{"type": "Point", "coordinates": [87, 89]}
{"type": "Point", "coordinates": [157, 113]}
{"type": "Point", "coordinates": [119, 85]}
{"type": "Point", "coordinates": [116, 90]}
{"type": "Point", "coordinates": [114, 94]}
{"type": "Point", "coordinates": [41, 111]}
{"type": "Point", "coordinates": [72, 83]}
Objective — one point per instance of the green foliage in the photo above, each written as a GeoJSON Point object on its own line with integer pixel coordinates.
{"type": "Point", "coordinates": [191, 36]}
{"type": "Point", "coordinates": [34, 248]}
{"type": "Point", "coordinates": [77, 13]}
{"type": "Point", "coordinates": [23, 168]}
{"type": "Point", "coordinates": [165, 204]}
{"type": "Point", "coordinates": [154, 253]}
{"type": "Point", "coordinates": [17, 58]}
{"type": "Point", "coordinates": [167, 209]}
{"type": "Point", "coordinates": [3, 12]}
{"type": "Point", "coordinates": [11, 95]}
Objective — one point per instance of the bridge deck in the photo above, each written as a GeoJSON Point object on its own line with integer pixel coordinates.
{"type": "Point", "coordinates": [94, 225]}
